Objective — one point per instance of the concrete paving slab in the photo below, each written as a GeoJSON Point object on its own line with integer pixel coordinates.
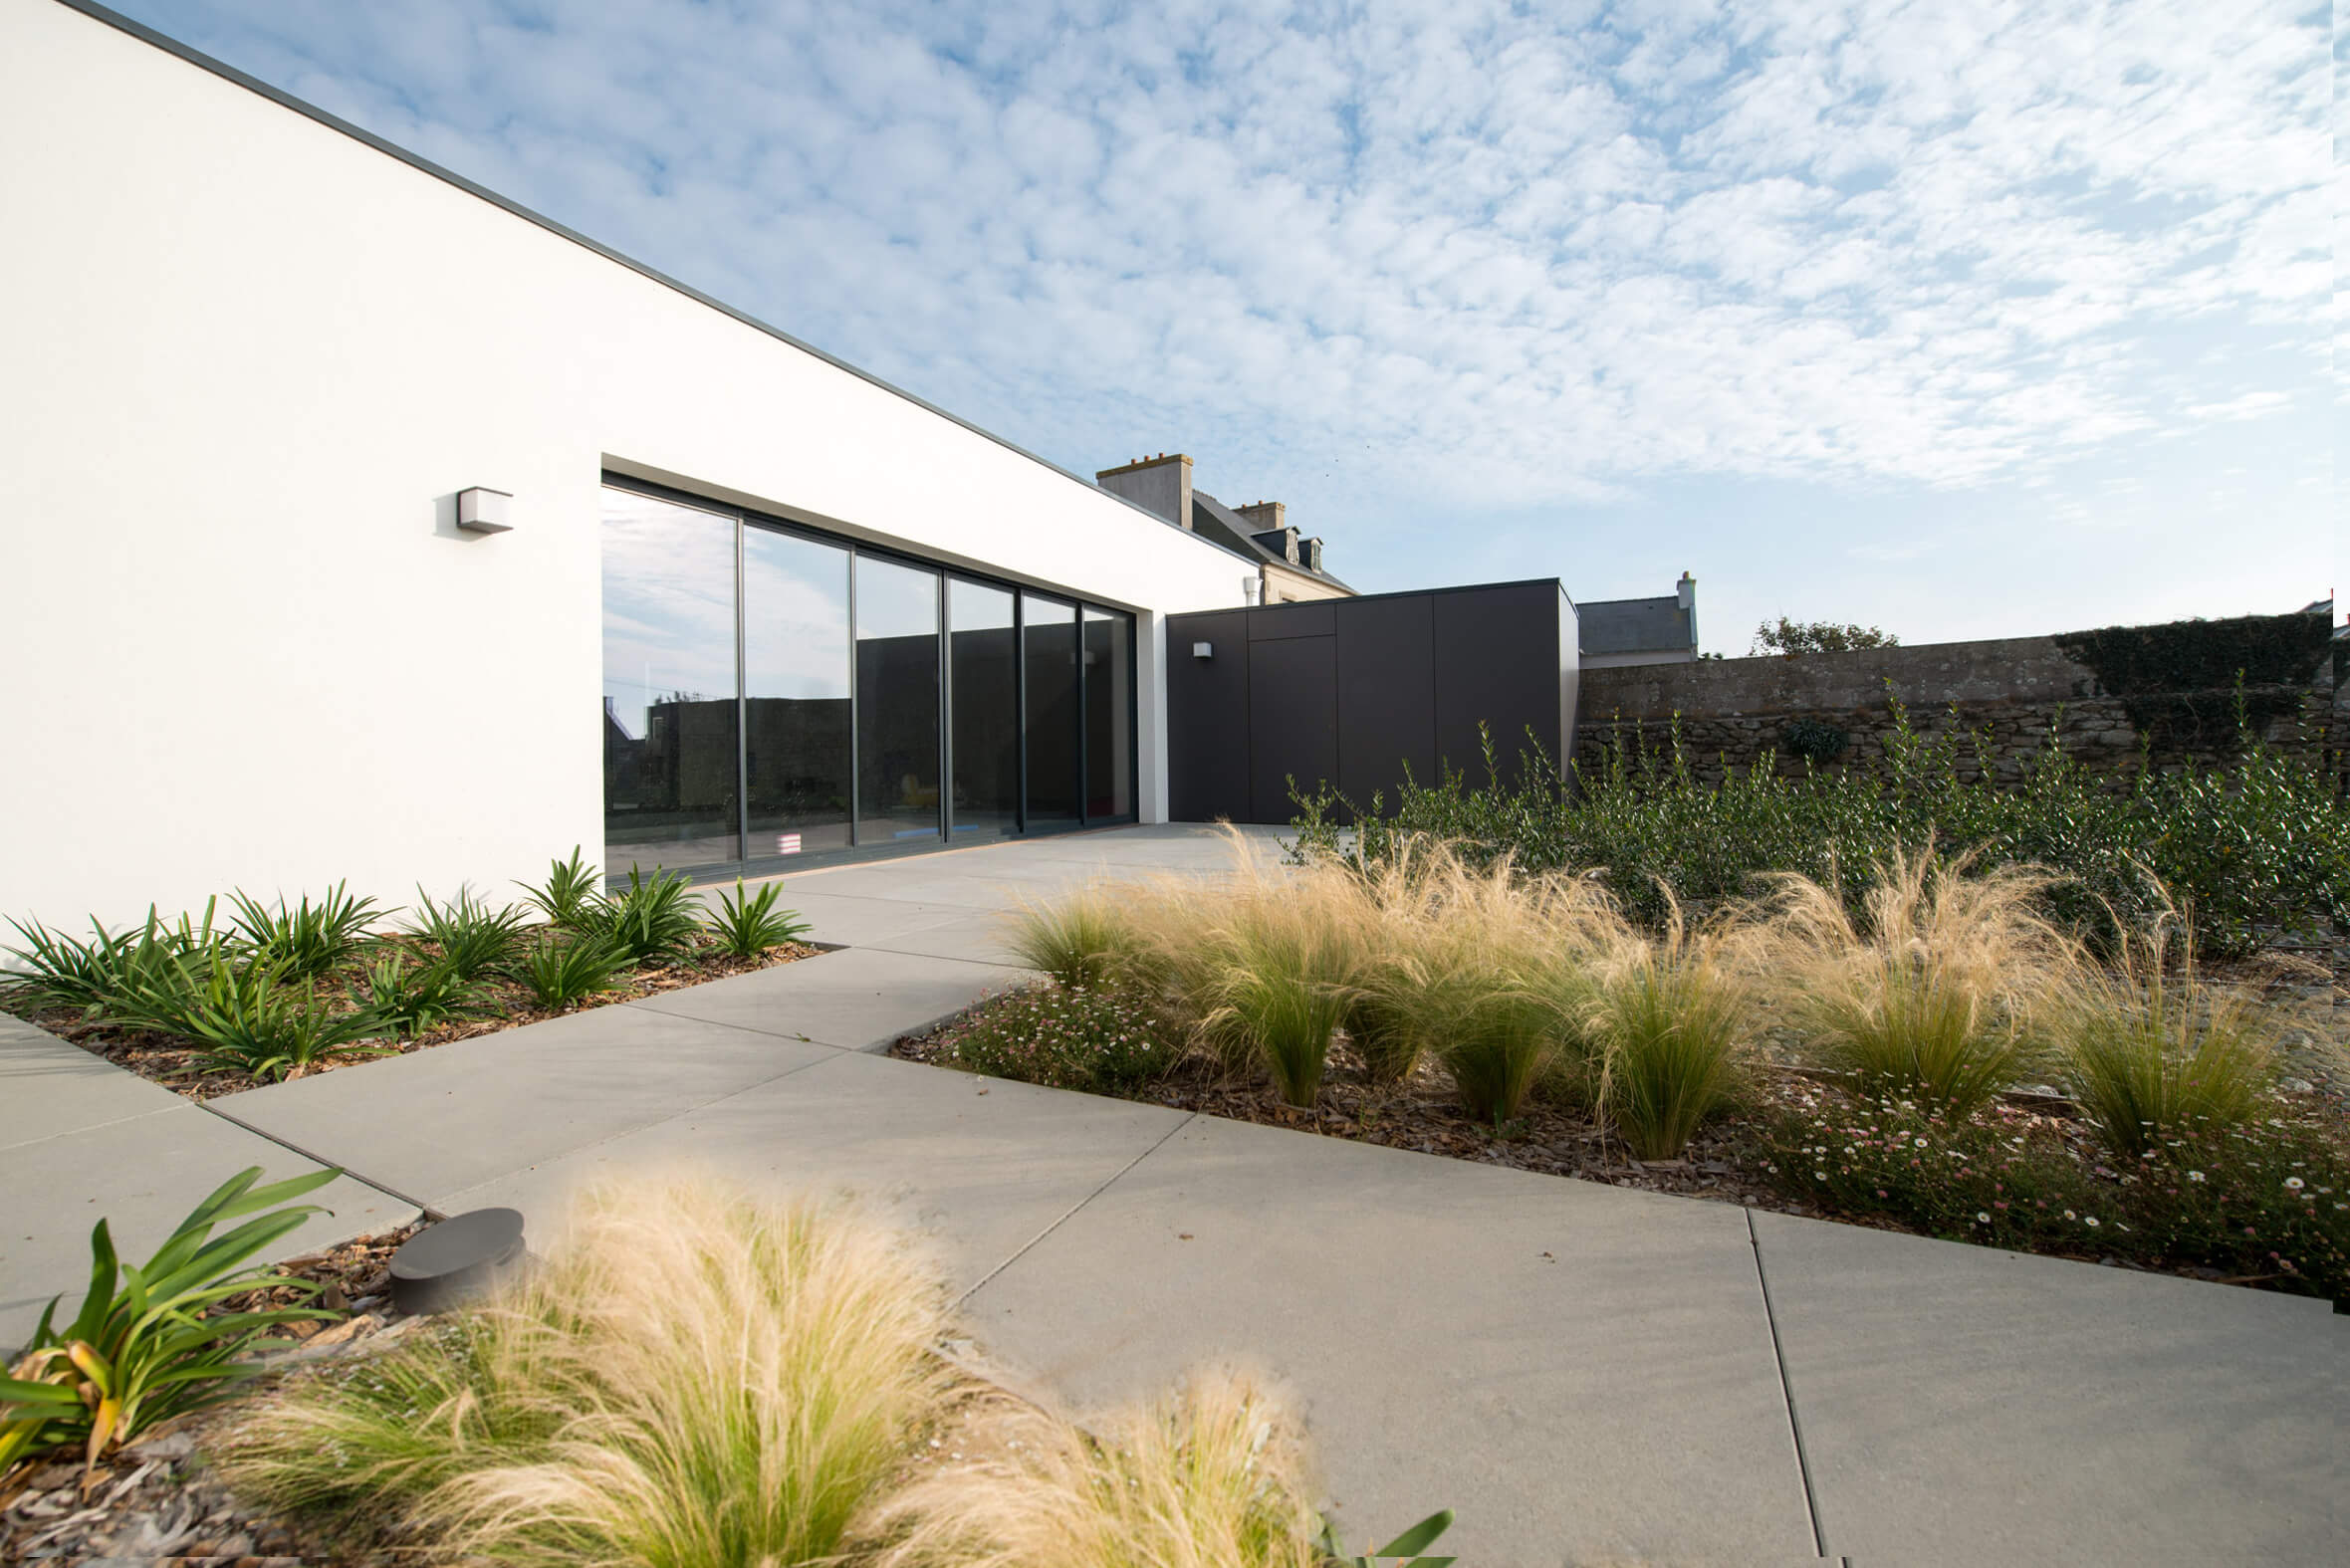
{"type": "Point", "coordinates": [1575, 1370]}
{"type": "Point", "coordinates": [437, 1121]}
{"type": "Point", "coordinates": [858, 1000]}
{"type": "Point", "coordinates": [62, 1088]}
{"type": "Point", "coordinates": [930, 880]}
{"type": "Point", "coordinates": [1961, 1405]}
{"type": "Point", "coordinates": [852, 922]}
{"type": "Point", "coordinates": [142, 1176]}
{"type": "Point", "coordinates": [984, 1165]}
{"type": "Point", "coordinates": [982, 939]}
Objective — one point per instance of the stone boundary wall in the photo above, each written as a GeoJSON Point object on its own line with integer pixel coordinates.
{"type": "Point", "coordinates": [2021, 691]}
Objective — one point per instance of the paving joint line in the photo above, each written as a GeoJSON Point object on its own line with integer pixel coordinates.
{"type": "Point", "coordinates": [1031, 1245]}
{"type": "Point", "coordinates": [311, 1155]}
{"type": "Point", "coordinates": [1787, 1391]}
{"type": "Point", "coordinates": [433, 1212]}
{"type": "Point", "coordinates": [692, 1110]}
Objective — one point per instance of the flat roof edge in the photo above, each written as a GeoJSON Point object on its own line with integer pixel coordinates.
{"type": "Point", "coordinates": [284, 100]}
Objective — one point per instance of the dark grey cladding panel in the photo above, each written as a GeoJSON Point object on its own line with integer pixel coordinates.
{"type": "Point", "coordinates": [1496, 661]}
{"type": "Point", "coordinates": [1315, 619]}
{"type": "Point", "coordinates": [1207, 717]}
{"type": "Point", "coordinates": [1386, 694]}
{"type": "Point", "coordinates": [1293, 720]}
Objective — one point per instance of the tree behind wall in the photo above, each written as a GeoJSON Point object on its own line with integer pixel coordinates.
{"type": "Point", "coordinates": [1791, 638]}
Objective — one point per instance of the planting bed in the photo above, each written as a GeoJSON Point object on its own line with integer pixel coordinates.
{"type": "Point", "coordinates": [1744, 1157]}
{"type": "Point", "coordinates": [174, 1063]}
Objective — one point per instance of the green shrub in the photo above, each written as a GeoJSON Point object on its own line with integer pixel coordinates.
{"type": "Point", "coordinates": [474, 939]}
{"type": "Point", "coordinates": [250, 1018]}
{"type": "Point", "coordinates": [1106, 1039]}
{"type": "Point", "coordinates": [651, 920]}
{"type": "Point", "coordinates": [307, 941]}
{"type": "Point", "coordinates": [748, 924]}
{"type": "Point", "coordinates": [2263, 845]}
{"type": "Point", "coordinates": [97, 977]}
{"type": "Point", "coordinates": [140, 1350]}
{"type": "Point", "coordinates": [413, 998]}
{"type": "Point", "coordinates": [568, 896]}
{"type": "Point", "coordinates": [693, 1377]}
{"type": "Point", "coordinates": [560, 970]}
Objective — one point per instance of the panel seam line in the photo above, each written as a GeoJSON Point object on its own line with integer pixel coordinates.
{"type": "Point", "coordinates": [1033, 1241]}
{"type": "Point", "coordinates": [1787, 1391]}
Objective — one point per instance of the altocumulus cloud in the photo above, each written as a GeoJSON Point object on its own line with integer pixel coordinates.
{"type": "Point", "coordinates": [1508, 254]}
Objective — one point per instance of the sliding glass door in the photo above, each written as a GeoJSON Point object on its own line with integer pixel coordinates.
{"type": "Point", "coordinates": [772, 693]}
{"type": "Point", "coordinates": [898, 699]}
{"type": "Point", "coordinates": [671, 782]}
{"type": "Point", "coordinates": [1049, 673]}
{"type": "Point", "coordinates": [796, 706]}
{"type": "Point", "coordinates": [983, 696]}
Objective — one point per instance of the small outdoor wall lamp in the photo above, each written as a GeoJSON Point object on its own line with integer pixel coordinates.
{"type": "Point", "coordinates": [1203, 650]}
{"type": "Point", "coordinates": [482, 511]}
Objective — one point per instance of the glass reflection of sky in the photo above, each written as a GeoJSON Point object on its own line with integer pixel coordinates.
{"type": "Point", "coordinates": [795, 616]}
{"type": "Point", "coordinates": [668, 604]}
{"type": "Point", "coordinates": [895, 600]}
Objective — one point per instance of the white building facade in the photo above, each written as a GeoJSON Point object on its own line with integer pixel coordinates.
{"type": "Point", "coordinates": [751, 608]}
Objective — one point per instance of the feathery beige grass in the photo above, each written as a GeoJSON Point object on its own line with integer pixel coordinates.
{"type": "Point", "coordinates": [1932, 994]}
{"type": "Point", "coordinates": [2147, 1052]}
{"type": "Point", "coordinates": [695, 1377]}
{"type": "Point", "coordinates": [1666, 1019]}
{"type": "Point", "coordinates": [1087, 939]}
{"type": "Point", "coordinates": [1216, 1476]}
{"type": "Point", "coordinates": [1482, 970]}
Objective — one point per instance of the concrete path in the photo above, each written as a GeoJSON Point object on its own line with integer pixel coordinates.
{"type": "Point", "coordinates": [1584, 1374]}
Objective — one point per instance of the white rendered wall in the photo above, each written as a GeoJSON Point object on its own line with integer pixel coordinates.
{"type": "Point", "coordinates": [249, 360]}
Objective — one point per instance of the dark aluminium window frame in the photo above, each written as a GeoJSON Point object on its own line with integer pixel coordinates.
{"type": "Point", "coordinates": [748, 866]}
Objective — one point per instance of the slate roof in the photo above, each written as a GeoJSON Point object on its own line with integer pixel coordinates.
{"type": "Point", "coordinates": [1657, 625]}
{"type": "Point", "coordinates": [1212, 519]}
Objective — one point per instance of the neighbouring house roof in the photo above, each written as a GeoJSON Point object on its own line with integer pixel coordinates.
{"type": "Point", "coordinates": [1211, 518]}
{"type": "Point", "coordinates": [1658, 625]}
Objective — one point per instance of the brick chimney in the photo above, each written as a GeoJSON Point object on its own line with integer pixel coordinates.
{"type": "Point", "coordinates": [1263, 516]}
{"type": "Point", "coordinates": [1160, 484]}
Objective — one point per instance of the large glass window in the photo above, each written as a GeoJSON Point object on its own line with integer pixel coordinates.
{"type": "Point", "coordinates": [770, 694]}
{"type": "Point", "coordinates": [1048, 671]}
{"type": "Point", "coordinates": [983, 699]}
{"type": "Point", "coordinates": [671, 784]}
{"type": "Point", "coordinates": [1109, 714]}
{"type": "Point", "coordinates": [795, 694]}
{"type": "Point", "coordinates": [897, 695]}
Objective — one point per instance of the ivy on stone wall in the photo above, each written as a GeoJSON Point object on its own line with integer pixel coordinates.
{"type": "Point", "coordinates": [2190, 683]}
{"type": "Point", "coordinates": [2204, 656]}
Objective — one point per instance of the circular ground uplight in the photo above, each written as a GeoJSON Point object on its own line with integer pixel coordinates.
{"type": "Point", "coordinates": [458, 1260]}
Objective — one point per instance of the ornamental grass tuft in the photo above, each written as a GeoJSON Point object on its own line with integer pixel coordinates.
{"type": "Point", "coordinates": [693, 1377]}
{"type": "Point", "coordinates": [1930, 991]}
{"type": "Point", "coordinates": [1663, 1021]}
{"type": "Point", "coordinates": [1214, 1476]}
{"type": "Point", "coordinates": [2149, 1053]}
{"type": "Point", "coordinates": [1082, 939]}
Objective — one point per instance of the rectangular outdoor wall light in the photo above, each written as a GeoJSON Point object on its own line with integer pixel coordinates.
{"type": "Point", "coordinates": [481, 511]}
{"type": "Point", "coordinates": [1203, 650]}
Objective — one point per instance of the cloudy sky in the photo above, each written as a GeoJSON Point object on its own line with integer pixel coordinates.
{"type": "Point", "coordinates": [1965, 319]}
